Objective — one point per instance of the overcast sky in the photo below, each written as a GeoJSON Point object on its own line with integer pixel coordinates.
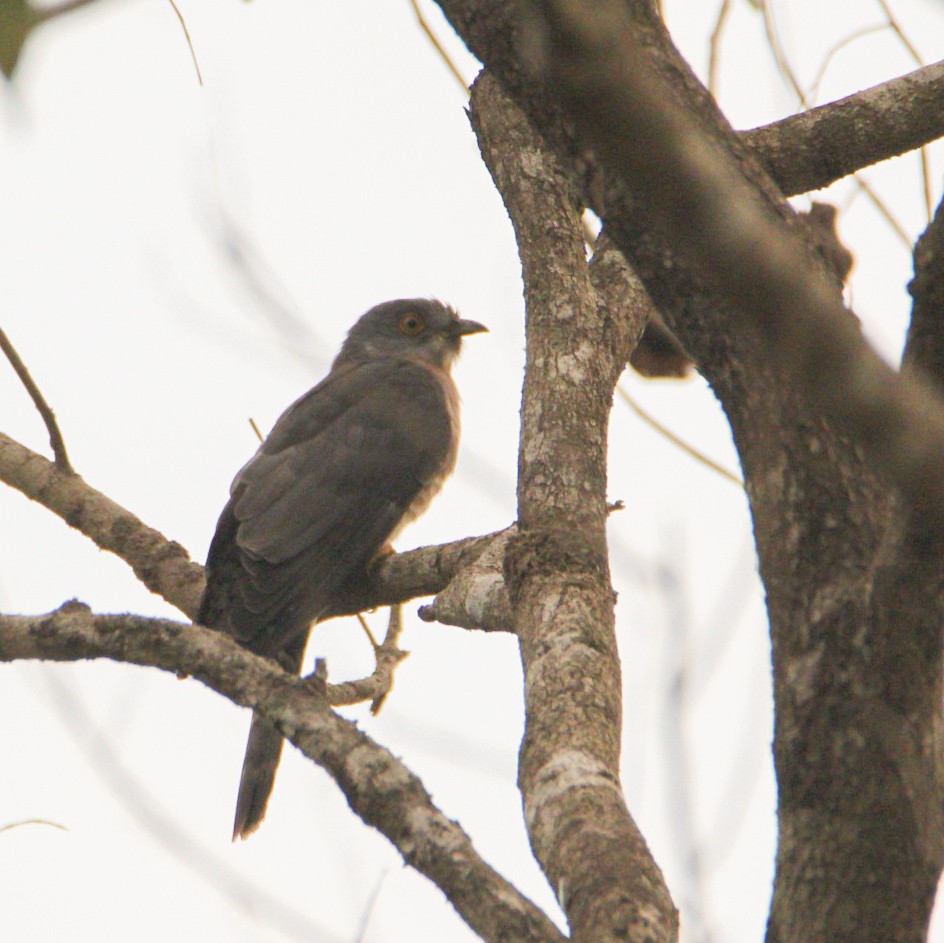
{"type": "Point", "coordinates": [176, 259]}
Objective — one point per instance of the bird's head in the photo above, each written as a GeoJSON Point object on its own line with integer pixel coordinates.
{"type": "Point", "coordinates": [420, 328]}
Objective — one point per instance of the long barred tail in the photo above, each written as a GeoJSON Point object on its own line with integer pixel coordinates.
{"type": "Point", "coordinates": [263, 752]}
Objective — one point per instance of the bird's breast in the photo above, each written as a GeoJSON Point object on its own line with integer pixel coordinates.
{"type": "Point", "coordinates": [433, 483]}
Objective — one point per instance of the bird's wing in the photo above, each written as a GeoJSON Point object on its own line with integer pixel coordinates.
{"type": "Point", "coordinates": [331, 483]}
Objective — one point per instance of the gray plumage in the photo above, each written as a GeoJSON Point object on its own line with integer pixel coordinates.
{"type": "Point", "coordinates": [344, 468]}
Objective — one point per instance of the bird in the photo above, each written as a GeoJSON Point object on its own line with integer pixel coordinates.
{"type": "Point", "coordinates": [345, 467]}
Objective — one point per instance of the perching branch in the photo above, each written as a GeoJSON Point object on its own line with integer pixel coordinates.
{"type": "Point", "coordinates": [165, 567]}
{"type": "Point", "coordinates": [378, 787]}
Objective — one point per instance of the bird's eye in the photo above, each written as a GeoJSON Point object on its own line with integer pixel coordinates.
{"type": "Point", "coordinates": [412, 324]}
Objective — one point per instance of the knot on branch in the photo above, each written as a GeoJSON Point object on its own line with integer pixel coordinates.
{"type": "Point", "coordinates": [550, 551]}
{"type": "Point", "coordinates": [476, 598]}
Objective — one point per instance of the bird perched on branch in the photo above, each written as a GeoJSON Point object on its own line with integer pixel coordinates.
{"type": "Point", "coordinates": [346, 466]}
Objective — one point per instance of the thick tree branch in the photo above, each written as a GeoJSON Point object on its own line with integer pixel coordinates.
{"type": "Point", "coordinates": [556, 565]}
{"type": "Point", "coordinates": [893, 726]}
{"type": "Point", "coordinates": [813, 149]}
{"type": "Point", "coordinates": [379, 788]}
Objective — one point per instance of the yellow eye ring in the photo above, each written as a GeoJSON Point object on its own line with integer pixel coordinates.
{"type": "Point", "coordinates": [411, 324]}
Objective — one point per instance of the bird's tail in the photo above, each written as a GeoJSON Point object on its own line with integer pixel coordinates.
{"type": "Point", "coordinates": [263, 752]}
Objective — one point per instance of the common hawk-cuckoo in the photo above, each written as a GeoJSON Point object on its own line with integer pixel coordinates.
{"type": "Point", "coordinates": [345, 467]}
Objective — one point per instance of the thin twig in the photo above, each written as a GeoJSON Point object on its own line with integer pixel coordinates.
{"type": "Point", "coordinates": [896, 27]}
{"type": "Point", "coordinates": [780, 57]}
{"type": "Point", "coordinates": [12, 825]}
{"type": "Point", "coordinates": [193, 53]}
{"type": "Point", "coordinates": [255, 428]}
{"type": "Point", "coordinates": [377, 685]}
{"type": "Point", "coordinates": [926, 177]}
{"type": "Point", "coordinates": [434, 39]}
{"type": "Point", "coordinates": [675, 440]}
{"type": "Point", "coordinates": [371, 906]}
{"type": "Point", "coordinates": [714, 47]}
{"type": "Point", "coordinates": [370, 635]}
{"type": "Point", "coordinates": [389, 655]}
{"type": "Point", "coordinates": [49, 418]}
{"type": "Point", "coordinates": [884, 211]}
{"type": "Point", "coordinates": [837, 47]}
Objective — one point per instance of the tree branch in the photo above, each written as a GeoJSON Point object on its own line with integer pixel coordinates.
{"type": "Point", "coordinates": [476, 597]}
{"type": "Point", "coordinates": [813, 149]}
{"type": "Point", "coordinates": [379, 788]}
{"type": "Point", "coordinates": [379, 683]}
{"type": "Point", "coordinates": [556, 565]}
{"type": "Point", "coordinates": [39, 401]}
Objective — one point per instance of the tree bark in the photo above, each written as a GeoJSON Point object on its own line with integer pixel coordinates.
{"type": "Point", "coordinates": [556, 568]}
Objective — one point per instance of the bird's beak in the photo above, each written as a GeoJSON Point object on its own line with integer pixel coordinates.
{"type": "Point", "coordinates": [462, 327]}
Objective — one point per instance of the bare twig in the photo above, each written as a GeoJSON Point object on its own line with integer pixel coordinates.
{"type": "Point", "coordinates": [370, 635]}
{"type": "Point", "coordinates": [714, 46]}
{"type": "Point", "coordinates": [699, 457]}
{"type": "Point", "coordinates": [12, 825]}
{"type": "Point", "coordinates": [193, 52]}
{"type": "Point", "coordinates": [370, 906]}
{"type": "Point", "coordinates": [896, 27]}
{"type": "Point", "coordinates": [780, 56]}
{"type": "Point", "coordinates": [883, 210]}
{"type": "Point", "coordinates": [837, 47]}
{"type": "Point", "coordinates": [379, 683]}
{"type": "Point", "coordinates": [49, 417]}
{"type": "Point", "coordinates": [438, 46]}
